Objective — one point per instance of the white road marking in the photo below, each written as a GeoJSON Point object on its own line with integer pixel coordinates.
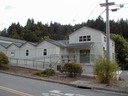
{"type": "Point", "coordinates": [55, 91]}
{"type": "Point", "coordinates": [79, 95]}
{"type": "Point", "coordinates": [68, 94]}
{"type": "Point", "coordinates": [59, 93]}
{"type": "Point", "coordinates": [53, 94]}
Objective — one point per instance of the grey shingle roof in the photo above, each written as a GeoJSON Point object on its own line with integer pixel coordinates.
{"type": "Point", "coordinates": [6, 42]}
{"type": "Point", "coordinates": [65, 43]}
{"type": "Point", "coordinates": [12, 40]}
{"type": "Point", "coordinates": [61, 43]}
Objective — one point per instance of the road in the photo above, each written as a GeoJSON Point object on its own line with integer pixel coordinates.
{"type": "Point", "coordinates": [19, 86]}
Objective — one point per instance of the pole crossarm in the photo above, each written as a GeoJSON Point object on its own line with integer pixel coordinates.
{"type": "Point", "coordinates": [107, 4]}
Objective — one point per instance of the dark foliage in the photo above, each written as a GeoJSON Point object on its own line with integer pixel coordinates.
{"type": "Point", "coordinates": [37, 31]}
{"type": "Point", "coordinates": [3, 60]}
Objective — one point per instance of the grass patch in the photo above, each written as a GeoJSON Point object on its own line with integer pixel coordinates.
{"type": "Point", "coordinates": [45, 73]}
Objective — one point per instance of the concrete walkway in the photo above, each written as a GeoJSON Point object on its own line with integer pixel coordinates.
{"type": "Point", "coordinates": [124, 75]}
{"type": "Point", "coordinates": [90, 85]}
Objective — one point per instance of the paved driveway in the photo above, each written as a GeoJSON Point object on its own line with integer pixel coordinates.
{"type": "Point", "coordinates": [124, 75]}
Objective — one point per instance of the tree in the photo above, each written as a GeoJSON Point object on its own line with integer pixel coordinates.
{"type": "Point", "coordinates": [4, 32]}
{"type": "Point", "coordinates": [3, 60]}
{"type": "Point", "coordinates": [100, 24]}
{"type": "Point", "coordinates": [29, 36]}
{"type": "Point", "coordinates": [121, 49]}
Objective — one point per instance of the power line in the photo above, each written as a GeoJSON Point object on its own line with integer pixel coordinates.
{"type": "Point", "coordinates": [93, 10]}
{"type": "Point", "coordinates": [102, 13]}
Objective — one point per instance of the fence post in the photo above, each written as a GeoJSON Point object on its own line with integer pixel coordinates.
{"type": "Point", "coordinates": [33, 63]}
{"type": "Point", "coordinates": [17, 61]}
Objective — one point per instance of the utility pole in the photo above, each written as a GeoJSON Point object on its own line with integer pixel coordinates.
{"type": "Point", "coordinates": [107, 4]}
{"type": "Point", "coordinates": [107, 30]}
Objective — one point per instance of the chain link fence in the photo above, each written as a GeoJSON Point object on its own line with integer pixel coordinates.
{"type": "Point", "coordinates": [55, 62]}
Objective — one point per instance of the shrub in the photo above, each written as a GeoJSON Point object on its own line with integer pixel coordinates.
{"type": "Point", "coordinates": [72, 69]}
{"type": "Point", "coordinates": [105, 70]}
{"type": "Point", "coordinates": [45, 73]}
{"type": "Point", "coordinates": [3, 59]}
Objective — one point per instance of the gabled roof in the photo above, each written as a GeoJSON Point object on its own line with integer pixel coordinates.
{"type": "Point", "coordinates": [60, 43]}
{"type": "Point", "coordinates": [12, 40]}
{"type": "Point", "coordinates": [6, 42]}
{"type": "Point", "coordinates": [87, 28]}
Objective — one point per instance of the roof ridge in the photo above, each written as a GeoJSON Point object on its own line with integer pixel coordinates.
{"type": "Point", "coordinates": [11, 39]}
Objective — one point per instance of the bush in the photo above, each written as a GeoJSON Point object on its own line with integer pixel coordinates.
{"type": "Point", "coordinates": [3, 59]}
{"type": "Point", "coordinates": [45, 73]}
{"type": "Point", "coordinates": [72, 69]}
{"type": "Point", "coordinates": [105, 70]}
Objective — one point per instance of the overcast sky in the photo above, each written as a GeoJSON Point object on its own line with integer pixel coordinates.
{"type": "Point", "coordinates": [61, 11]}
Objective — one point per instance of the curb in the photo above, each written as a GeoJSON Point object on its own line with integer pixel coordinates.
{"type": "Point", "coordinates": [69, 84]}
{"type": "Point", "coordinates": [36, 78]}
{"type": "Point", "coordinates": [111, 90]}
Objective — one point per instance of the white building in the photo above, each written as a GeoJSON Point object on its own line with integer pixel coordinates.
{"type": "Point", "coordinates": [84, 46]}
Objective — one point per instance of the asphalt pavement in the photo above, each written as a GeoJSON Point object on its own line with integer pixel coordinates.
{"type": "Point", "coordinates": [6, 93]}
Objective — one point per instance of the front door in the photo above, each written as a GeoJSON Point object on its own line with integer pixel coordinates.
{"type": "Point", "coordinates": [84, 56]}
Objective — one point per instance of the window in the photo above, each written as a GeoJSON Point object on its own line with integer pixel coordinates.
{"type": "Point", "coordinates": [85, 38]}
{"type": "Point", "coordinates": [104, 39]}
{"type": "Point", "coordinates": [113, 56]}
{"type": "Point", "coordinates": [80, 38]}
{"type": "Point", "coordinates": [84, 56]}
{"type": "Point", "coordinates": [112, 44]}
{"type": "Point", "coordinates": [88, 38]}
{"type": "Point", "coordinates": [12, 53]}
{"type": "Point", "coordinates": [45, 52]}
{"type": "Point", "coordinates": [27, 52]}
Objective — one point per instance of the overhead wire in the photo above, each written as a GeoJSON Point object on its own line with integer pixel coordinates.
{"type": "Point", "coordinates": [119, 5]}
{"type": "Point", "coordinates": [93, 10]}
{"type": "Point", "coordinates": [102, 12]}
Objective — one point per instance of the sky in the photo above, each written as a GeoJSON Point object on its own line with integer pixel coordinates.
{"type": "Point", "coordinates": [61, 11]}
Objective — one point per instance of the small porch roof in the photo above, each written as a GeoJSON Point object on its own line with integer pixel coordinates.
{"type": "Point", "coordinates": [80, 45]}
{"type": "Point", "coordinates": [66, 44]}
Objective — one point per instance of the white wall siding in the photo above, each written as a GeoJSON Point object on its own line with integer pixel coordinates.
{"type": "Point", "coordinates": [24, 48]}
{"type": "Point", "coordinates": [51, 49]}
{"type": "Point", "coordinates": [3, 49]}
{"type": "Point", "coordinates": [84, 31]}
{"type": "Point", "coordinates": [13, 51]}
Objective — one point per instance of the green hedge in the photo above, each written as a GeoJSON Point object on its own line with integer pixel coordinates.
{"type": "Point", "coordinates": [72, 69]}
{"type": "Point", "coordinates": [45, 73]}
